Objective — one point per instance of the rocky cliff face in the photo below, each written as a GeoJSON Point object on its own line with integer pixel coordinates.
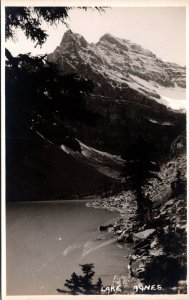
{"type": "Point", "coordinates": [134, 92]}
{"type": "Point", "coordinates": [159, 246]}
{"type": "Point", "coordinates": [117, 60]}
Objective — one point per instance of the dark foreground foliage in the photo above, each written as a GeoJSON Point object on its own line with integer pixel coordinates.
{"type": "Point", "coordinates": [79, 284]}
{"type": "Point", "coordinates": [30, 19]}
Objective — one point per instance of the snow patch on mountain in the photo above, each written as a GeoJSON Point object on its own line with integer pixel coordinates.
{"type": "Point", "coordinates": [106, 163]}
{"type": "Point", "coordinates": [143, 83]}
{"type": "Point", "coordinates": [173, 98]}
{"type": "Point", "coordinates": [160, 123]}
{"type": "Point", "coordinates": [144, 87]}
{"type": "Point", "coordinates": [174, 104]}
{"type": "Point", "coordinates": [89, 152]}
{"type": "Point", "coordinates": [66, 149]}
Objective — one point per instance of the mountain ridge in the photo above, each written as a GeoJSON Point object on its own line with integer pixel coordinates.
{"type": "Point", "coordinates": [131, 92]}
{"type": "Point", "coordinates": [116, 59]}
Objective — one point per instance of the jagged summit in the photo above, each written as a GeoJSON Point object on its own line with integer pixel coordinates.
{"type": "Point", "coordinates": [115, 63]}
{"type": "Point", "coordinates": [125, 45]}
{"type": "Point", "coordinates": [113, 39]}
{"type": "Point", "coordinates": [71, 37]}
{"type": "Point", "coordinates": [107, 36]}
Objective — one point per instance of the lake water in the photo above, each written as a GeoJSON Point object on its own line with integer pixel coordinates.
{"type": "Point", "coordinates": [46, 242]}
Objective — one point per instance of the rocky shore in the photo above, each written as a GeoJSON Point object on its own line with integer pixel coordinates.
{"type": "Point", "coordinates": [158, 262]}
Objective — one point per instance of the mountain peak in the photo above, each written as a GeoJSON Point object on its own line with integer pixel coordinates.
{"type": "Point", "coordinates": [109, 38]}
{"type": "Point", "coordinates": [118, 61]}
{"type": "Point", "coordinates": [71, 37]}
{"type": "Point", "coordinates": [106, 36]}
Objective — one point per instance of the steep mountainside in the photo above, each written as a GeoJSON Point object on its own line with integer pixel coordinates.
{"type": "Point", "coordinates": [40, 170]}
{"type": "Point", "coordinates": [117, 60]}
{"type": "Point", "coordinates": [135, 93]}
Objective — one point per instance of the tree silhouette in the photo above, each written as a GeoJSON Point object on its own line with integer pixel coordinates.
{"type": "Point", "coordinates": [37, 96]}
{"type": "Point", "coordinates": [178, 185]}
{"type": "Point", "coordinates": [39, 99]}
{"type": "Point", "coordinates": [138, 172]}
{"type": "Point", "coordinates": [78, 284]}
{"type": "Point", "coordinates": [73, 284]}
{"type": "Point", "coordinates": [30, 19]}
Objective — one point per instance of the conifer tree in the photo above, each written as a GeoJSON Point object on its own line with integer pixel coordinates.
{"type": "Point", "coordinates": [138, 171]}
{"type": "Point", "coordinates": [83, 284]}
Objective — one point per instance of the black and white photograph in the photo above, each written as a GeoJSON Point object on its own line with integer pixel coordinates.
{"type": "Point", "coordinates": [94, 149]}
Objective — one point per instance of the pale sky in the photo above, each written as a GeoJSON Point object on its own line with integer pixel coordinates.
{"type": "Point", "coordinates": [159, 29]}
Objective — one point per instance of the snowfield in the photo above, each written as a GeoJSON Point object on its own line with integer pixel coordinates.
{"type": "Point", "coordinates": [96, 154]}
{"type": "Point", "coordinates": [173, 98]}
{"type": "Point", "coordinates": [106, 163]}
{"type": "Point", "coordinates": [175, 104]}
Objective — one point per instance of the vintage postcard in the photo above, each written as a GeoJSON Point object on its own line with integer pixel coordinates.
{"type": "Point", "coordinates": [94, 180]}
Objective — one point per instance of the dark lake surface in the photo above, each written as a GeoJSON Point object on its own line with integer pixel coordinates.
{"type": "Point", "coordinates": [46, 242]}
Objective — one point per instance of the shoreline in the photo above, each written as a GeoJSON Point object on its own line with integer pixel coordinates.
{"type": "Point", "coordinates": [159, 246]}
{"type": "Point", "coordinates": [50, 201]}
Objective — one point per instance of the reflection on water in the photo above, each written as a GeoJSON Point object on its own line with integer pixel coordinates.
{"type": "Point", "coordinates": [47, 241]}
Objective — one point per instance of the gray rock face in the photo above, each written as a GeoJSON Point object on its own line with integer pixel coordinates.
{"type": "Point", "coordinates": [117, 60]}
{"type": "Point", "coordinates": [127, 91]}
{"type": "Point", "coordinates": [160, 251]}
{"type": "Point", "coordinates": [142, 235]}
